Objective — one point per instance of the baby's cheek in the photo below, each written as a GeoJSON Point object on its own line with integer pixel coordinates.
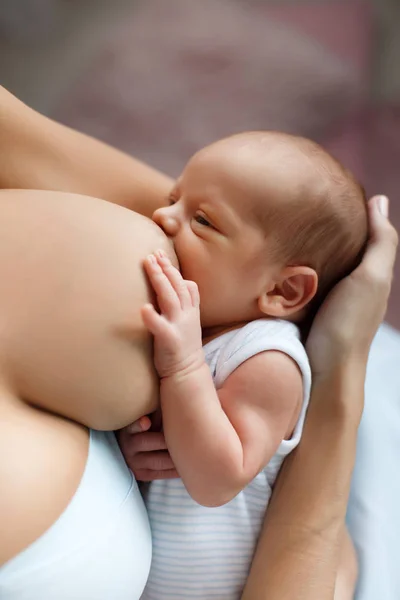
{"type": "Point", "coordinates": [170, 251]}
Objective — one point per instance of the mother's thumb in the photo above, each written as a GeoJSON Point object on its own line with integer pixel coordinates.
{"type": "Point", "coordinates": [382, 204]}
{"type": "Point", "coordinates": [382, 246]}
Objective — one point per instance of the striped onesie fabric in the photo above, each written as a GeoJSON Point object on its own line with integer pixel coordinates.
{"type": "Point", "coordinates": [206, 553]}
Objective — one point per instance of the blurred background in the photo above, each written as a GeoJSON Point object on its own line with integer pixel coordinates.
{"type": "Point", "coordinates": [161, 78]}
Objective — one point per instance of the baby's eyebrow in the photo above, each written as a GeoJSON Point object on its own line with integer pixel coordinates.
{"type": "Point", "coordinates": [174, 193]}
{"type": "Point", "coordinates": [222, 215]}
{"type": "Point", "coordinates": [172, 197]}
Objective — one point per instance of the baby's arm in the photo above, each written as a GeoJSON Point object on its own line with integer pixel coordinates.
{"type": "Point", "coordinates": [218, 439]}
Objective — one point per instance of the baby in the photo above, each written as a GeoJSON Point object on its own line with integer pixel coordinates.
{"type": "Point", "coordinates": [263, 224]}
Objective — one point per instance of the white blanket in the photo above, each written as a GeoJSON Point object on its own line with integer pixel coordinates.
{"type": "Point", "coordinates": [374, 509]}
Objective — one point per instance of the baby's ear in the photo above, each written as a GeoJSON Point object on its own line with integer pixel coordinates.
{"type": "Point", "coordinates": [295, 288]}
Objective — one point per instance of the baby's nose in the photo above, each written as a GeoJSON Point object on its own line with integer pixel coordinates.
{"type": "Point", "coordinates": [166, 220]}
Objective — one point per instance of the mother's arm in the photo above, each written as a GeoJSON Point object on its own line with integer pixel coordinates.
{"type": "Point", "coordinates": [38, 153]}
{"type": "Point", "coordinates": [298, 553]}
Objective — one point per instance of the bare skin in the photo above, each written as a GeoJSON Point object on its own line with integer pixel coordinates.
{"type": "Point", "coordinates": [39, 153]}
{"type": "Point", "coordinates": [72, 343]}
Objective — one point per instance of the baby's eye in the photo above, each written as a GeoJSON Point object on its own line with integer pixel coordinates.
{"type": "Point", "coordinates": [202, 220]}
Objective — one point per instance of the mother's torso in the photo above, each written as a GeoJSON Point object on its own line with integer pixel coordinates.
{"type": "Point", "coordinates": [72, 343]}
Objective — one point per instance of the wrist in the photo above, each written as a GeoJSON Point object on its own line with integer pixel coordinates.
{"type": "Point", "coordinates": [339, 391]}
{"type": "Point", "coordinates": [336, 355]}
{"type": "Point", "coordinates": [191, 370]}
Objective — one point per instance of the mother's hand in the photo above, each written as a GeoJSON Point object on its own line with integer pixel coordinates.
{"type": "Point", "coordinates": [346, 323]}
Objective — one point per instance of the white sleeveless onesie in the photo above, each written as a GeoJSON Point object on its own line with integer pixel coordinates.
{"type": "Point", "coordinates": [98, 549]}
{"type": "Point", "coordinates": [206, 553]}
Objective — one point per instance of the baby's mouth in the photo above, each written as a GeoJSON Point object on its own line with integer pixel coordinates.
{"type": "Point", "coordinates": [175, 258]}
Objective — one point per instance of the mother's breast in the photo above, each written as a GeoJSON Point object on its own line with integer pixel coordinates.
{"type": "Point", "coordinates": [71, 336]}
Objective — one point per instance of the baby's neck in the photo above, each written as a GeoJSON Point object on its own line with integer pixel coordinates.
{"type": "Point", "coordinates": [210, 333]}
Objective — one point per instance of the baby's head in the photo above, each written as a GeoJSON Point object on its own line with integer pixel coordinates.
{"type": "Point", "coordinates": [265, 223]}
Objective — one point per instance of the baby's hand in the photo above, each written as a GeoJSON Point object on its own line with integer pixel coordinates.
{"type": "Point", "coordinates": [146, 452]}
{"type": "Point", "coordinates": [177, 329]}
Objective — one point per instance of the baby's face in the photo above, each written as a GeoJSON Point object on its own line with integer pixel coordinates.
{"type": "Point", "coordinates": [219, 245]}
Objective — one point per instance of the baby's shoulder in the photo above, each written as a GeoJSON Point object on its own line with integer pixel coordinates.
{"type": "Point", "coordinates": [256, 337]}
{"type": "Point", "coordinates": [260, 336]}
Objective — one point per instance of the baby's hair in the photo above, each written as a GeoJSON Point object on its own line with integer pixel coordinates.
{"type": "Point", "coordinates": [334, 239]}
{"type": "Point", "coordinates": [324, 224]}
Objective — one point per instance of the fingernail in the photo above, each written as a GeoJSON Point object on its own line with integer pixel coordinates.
{"type": "Point", "coordinates": [383, 206]}
{"type": "Point", "coordinates": [151, 258]}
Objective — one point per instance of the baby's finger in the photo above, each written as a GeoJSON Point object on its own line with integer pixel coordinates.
{"type": "Point", "coordinates": [149, 475]}
{"type": "Point", "coordinates": [154, 461]}
{"type": "Point", "coordinates": [194, 293]}
{"type": "Point", "coordinates": [134, 446]}
{"type": "Point", "coordinates": [155, 323]}
{"type": "Point", "coordinates": [150, 441]}
{"type": "Point", "coordinates": [175, 278]}
{"type": "Point", "coordinates": [142, 424]}
{"type": "Point", "coordinates": [167, 297]}
{"type": "Point", "coordinates": [127, 434]}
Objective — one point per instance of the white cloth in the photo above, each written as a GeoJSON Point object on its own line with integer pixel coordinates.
{"type": "Point", "coordinates": [98, 549]}
{"type": "Point", "coordinates": [374, 507]}
{"type": "Point", "coordinates": [206, 553]}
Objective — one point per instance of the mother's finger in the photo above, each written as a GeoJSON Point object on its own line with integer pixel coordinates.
{"type": "Point", "coordinates": [381, 250]}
